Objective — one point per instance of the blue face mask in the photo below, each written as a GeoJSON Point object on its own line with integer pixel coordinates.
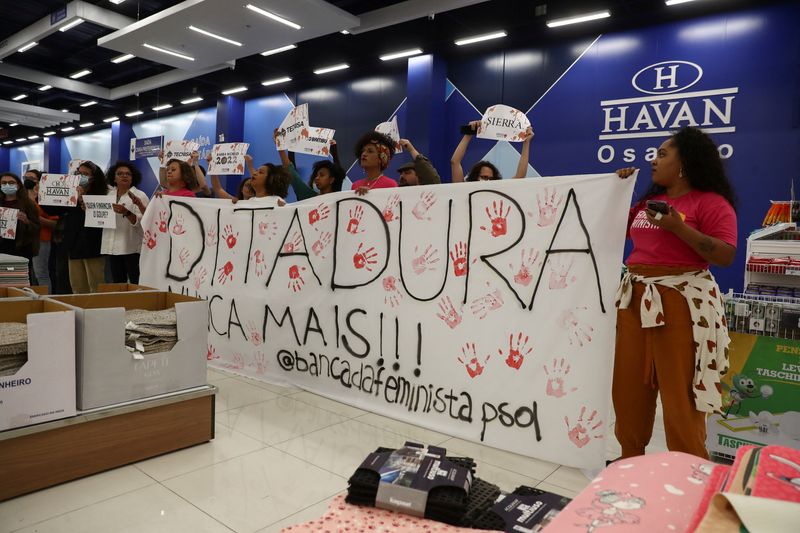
{"type": "Point", "coordinates": [9, 189]}
{"type": "Point", "coordinates": [84, 181]}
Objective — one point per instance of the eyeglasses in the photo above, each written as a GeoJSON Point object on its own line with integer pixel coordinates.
{"type": "Point", "coordinates": [124, 174]}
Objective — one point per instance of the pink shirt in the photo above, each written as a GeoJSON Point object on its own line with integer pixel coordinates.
{"type": "Point", "coordinates": [707, 212]}
{"type": "Point", "coordinates": [180, 192]}
{"type": "Point", "coordinates": [383, 182]}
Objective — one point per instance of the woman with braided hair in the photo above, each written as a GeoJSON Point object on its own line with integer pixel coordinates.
{"type": "Point", "coordinates": [374, 151]}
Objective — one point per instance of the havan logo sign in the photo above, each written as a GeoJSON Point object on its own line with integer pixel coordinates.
{"type": "Point", "coordinates": [668, 106]}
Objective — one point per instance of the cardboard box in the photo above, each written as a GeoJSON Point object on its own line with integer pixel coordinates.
{"type": "Point", "coordinates": [21, 292]}
{"type": "Point", "coordinates": [122, 287]}
{"type": "Point", "coordinates": [44, 388]}
{"type": "Point", "coordinates": [108, 373]}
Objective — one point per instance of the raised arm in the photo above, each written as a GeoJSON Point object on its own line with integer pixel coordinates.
{"type": "Point", "coordinates": [202, 184]}
{"type": "Point", "coordinates": [426, 172]}
{"type": "Point", "coordinates": [216, 186]}
{"type": "Point", "coordinates": [524, 157]}
{"type": "Point", "coordinates": [455, 161]}
{"type": "Point", "coordinates": [162, 170]}
{"type": "Point", "coordinates": [283, 153]}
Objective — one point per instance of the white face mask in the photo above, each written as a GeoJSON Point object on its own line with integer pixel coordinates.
{"type": "Point", "coordinates": [84, 181]}
{"type": "Point", "coordinates": [9, 189]}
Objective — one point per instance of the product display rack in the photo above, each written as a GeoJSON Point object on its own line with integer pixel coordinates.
{"type": "Point", "coordinates": [43, 455]}
{"type": "Point", "coordinates": [773, 257]}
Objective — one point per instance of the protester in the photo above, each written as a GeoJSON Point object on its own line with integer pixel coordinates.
{"type": "Point", "coordinates": [122, 243]}
{"type": "Point", "coordinates": [245, 191]}
{"type": "Point", "coordinates": [199, 187]}
{"type": "Point", "coordinates": [418, 171]}
{"type": "Point", "coordinates": [374, 151]}
{"type": "Point", "coordinates": [327, 176]}
{"type": "Point", "coordinates": [181, 179]}
{"type": "Point", "coordinates": [44, 262]}
{"type": "Point", "coordinates": [26, 240]}
{"type": "Point", "coordinates": [671, 332]}
{"type": "Point", "coordinates": [484, 170]}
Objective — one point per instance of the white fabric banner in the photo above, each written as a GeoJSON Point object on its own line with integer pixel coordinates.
{"type": "Point", "coordinates": [99, 211]}
{"type": "Point", "coordinates": [228, 158]}
{"type": "Point", "coordinates": [59, 189]}
{"type": "Point", "coordinates": [503, 123]}
{"type": "Point", "coordinates": [481, 310]}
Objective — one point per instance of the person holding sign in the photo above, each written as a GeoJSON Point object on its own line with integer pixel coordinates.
{"type": "Point", "coordinates": [201, 189]}
{"type": "Point", "coordinates": [44, 262]}
{"type": "Point", "coordinates": [672, 336]}
{"type": "Point", "coordinates": [327, 176]}
{"type": "Point", "coordinates": [484, 170]}
{"type": "Point", "coordinates": [86, 263]}
{"type": "Point", "coordinates": [374, 151]}
{"type": "Point", "coordinates": [181, 179]}
{"type": "Point", "coordinates": [122, 243]}
{"type": "Point", "coordinates": [26, 235]}
{"type": "Point", "coordinates": [418, 171]}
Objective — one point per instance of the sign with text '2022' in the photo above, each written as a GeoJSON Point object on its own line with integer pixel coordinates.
{"type": "Point", "coordinates": [144, 147]}
{"type": "Point", "coordinates": [482, 310]}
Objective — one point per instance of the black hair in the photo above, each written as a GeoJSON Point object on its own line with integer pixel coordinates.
{"type": "Point", "coordinates": [111, 175]}
{"type": "Point", "coordinates": [475, 171]}
{"type": "Point", "coordinates": [23, 199]}
{"type": "Point", "coordinates": [337, 173]}
{"type": "Point", "coordinates": [242, 184]}
{"type": "Point", "coordinates": [278, 180]}
{"type": "Point", "coordinates": [374, 137]}
{"type": "Point", "coordinates": [701, 164]}
{"type": "Point", "coordinates": [35, 171]}
{"type": "Point", "coordinates": [98, 184]}
{"type": "Point", "coordinates": [187, 174]}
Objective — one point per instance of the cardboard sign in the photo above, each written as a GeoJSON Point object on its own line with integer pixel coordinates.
{"type": "Point", "coordinates": [179, 149]}
{"type": "Point", "coordinates": [314, 141]}
{"type": "Point", "coordinates": [146, 147]}
{"type": "Point", "coordinates": [485, 312]}
{"type": "Point", "coordinates": [503, 123]}
{"type": "Point", "coordinates": [99, 212]}
{"type": "Point", "coordinates": [291, 128]}
{"type": "Point", "coordinates": [72, 168]}
{"type": "Point", "coordinates": [59, 189]}
{"type": "Point", "coordinates": [228, 158]}
{"type": "Point", "coordinates": [390, 128]}
{"type": "Point", "coordinates": [8, 223]}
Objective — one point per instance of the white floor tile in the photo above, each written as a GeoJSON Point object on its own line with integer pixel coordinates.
{"type": "Point", "coordinates": [35, 507]}
{"type": "Point", "coordinates": [343, 447]}
{"type": "Point", "coordinates": [234, 393]}
{"type": "Point", "coordinates": [309, 513]}
{"type": "Point", "coordinates": [152, 509]}
{"type": "Point", "coordinates": [278, 420]}
{"type": "Point", "coordinates": [527, 466]}
{"type": "Point", "coordinates": [409, 431]}
{"type": "Point", "coordinates": [227, 444]}
{"type": "Point", "coordinates": [329, 405]}
{"type": "Point", "coordinates": [213, 376]}
{"type": "Point", "coordinates": [568, 478]}
{"type": "Point", "coordinates": [255, 490]}
{"type": "Point", "coordinates": [277, 389]}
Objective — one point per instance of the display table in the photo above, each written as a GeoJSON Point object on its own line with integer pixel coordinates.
{"type": "Point", "coordinates": [43, 455]}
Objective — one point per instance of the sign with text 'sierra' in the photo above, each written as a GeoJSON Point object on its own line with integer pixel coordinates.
{"type": "Point", "coordinates": [503, 123]}
{"type": "Point", "coordinates": [99, 211]}
{"type": "Point", "coordinates": [480, 310]}
{"type": "Point", "coordinates": [59, 189]}
{"type": "Point", "coordinates": [228, 158]}
{"type": "Point", "coordinates": [8, 222]}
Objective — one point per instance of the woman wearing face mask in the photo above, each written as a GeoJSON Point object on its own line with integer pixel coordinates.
{"type": "Point", "coordinates": [374, 151]}
{"type": "Point", "coordinates": [82, 245]}
{"type": "Point", "coordinates": [122, 243]}
{"type": "Point", "coordinates": [327, 176]}
{"type": "Point", "coordinates": [484, 170]}
{"type": "Point", "coordinates": [26, 240]}
{"type": "Point", "coordinates": [44, 262]}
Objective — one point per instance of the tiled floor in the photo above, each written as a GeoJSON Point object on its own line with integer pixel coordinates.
{"type": "Point", "coordinates": [279, 456]}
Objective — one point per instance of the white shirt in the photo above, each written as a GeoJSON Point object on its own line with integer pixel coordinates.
{"type": "Point", "coordinates": [126, 238]}
{"type": "Point", "coordinates": [266, 201]}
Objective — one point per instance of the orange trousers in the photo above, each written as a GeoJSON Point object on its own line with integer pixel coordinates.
{"type": "Point", "coordinates": [653, 360]}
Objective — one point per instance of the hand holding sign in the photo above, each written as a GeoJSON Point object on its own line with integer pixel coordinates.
{"type": "Point", "coordinates": [227, 158]}
{"type": "Point", "coordinates": [504, 123]}
{"type": "Point", "coordinates": [99, 211]}
{"type": "Point", "coordinates": [59, 190]}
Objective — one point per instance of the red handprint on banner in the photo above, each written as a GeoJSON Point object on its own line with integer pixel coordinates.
{"type": "Point", "coordinates": [260, 263]}
{"type": "Point", "coordinates": [580, 435]}
{"type": "Point", "coordinates": [498, 219]}
{"type": "Point", "coordinates": [177, 228]}
{"type": "Point", "coordinates": [211, 236]}
{"type": "Point", "coordinates": [260, 362]}
{"type": "Point", "coordinates": [229, 236]}
{"type": "Point", "coordinates": [560, 272]}
{"type": "Point", "coordinates": [459, 257]}
{"type": "Point", "coordinates": [424, 261]}
{"type": "Point", "coordinates": [225, 273]}
{"type": "Point", "coordinates": [355, 219]}
{"type": "Point", "coordinates": [549, 209]}
{"type": "Point", "coordinates": [555, 379]}
{"type": "Point", "coordinates": [393, 294]}
{"type": "Point", "coordinates": [470, 360]}
{"type": "Point", "coordinates": [183, 255]}
{"type": "Point", "coordinates": [211, 354]}
{"type": "Point", "coordinates": [268, 228]}
{"type": "Point", "coordinates": [426, 201]}
{"type": "Point", "coordinates": [523, 275]}
{"type": "Point", "coordinates": [296, 280]}
{"type": "Point", "coordinates": [390, 211]}
{"type": "Point", "coordinates": [294, 244]}
{"type": "Point", "coordinates": [162, 221]}
{"type": "Point", "coordinates": [254, 333]}
{"type": "Point", "coordinates": [491, 301]}
{"type": "Point", "coordinates": [200, 277]}
{"type": "Point", "coordinates": [577, 331]}
{"type": "Point", "coordinates": [318, 214]}
{"type": "Point", "coordinates": [320, 244]}
{"type": "Point", "coordinates": [365, 259]}
{"type": "Point", "coordinates": [448, 313]}
{"type": "Point", "coordinates": [517, 351]}
{"type": "Point", "coordinates": [150, 239]}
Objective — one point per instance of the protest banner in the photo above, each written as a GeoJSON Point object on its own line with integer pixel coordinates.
{"type": "Point", "coordinates": [144, 147]}
{"type": "Point", "coordinates": [291, 128]}
{"type": "Point", "coordinates": [72, 167]}
{"type": "Point", "coordinates": [390, 128]}
{"type": "Point", "coordinates": [179, 149]}
{"type": "Point", "coordinates": [503, 123]}
{"type": "Point", "coordinates": [228, 158]}
{"type": "Point", "coordinates": [59, 189]}
{"type": "Point", "coordinates": [484, 310]}
{"type": "Point", "coordinates": [99, 212]}
{"type": "Point", "coordinates": [315, 141]}
{"type": "Point", "coordinates": [8, 222]}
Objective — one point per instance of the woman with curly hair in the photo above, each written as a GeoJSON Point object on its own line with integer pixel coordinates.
{"type": "Point", "coordinates": [123, 242]}
{"type": "Point", "coordinates": [374, 151]}
{"type": "Point", "coordinates": [672, 336]}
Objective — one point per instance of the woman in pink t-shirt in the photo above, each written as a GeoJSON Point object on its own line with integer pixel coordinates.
{"type": "Point", "coordinates": [374, 151]}
{"type": "Point", "coordinates": [181, 179]}
{"type": "Point", "coordinates": [672, 335]}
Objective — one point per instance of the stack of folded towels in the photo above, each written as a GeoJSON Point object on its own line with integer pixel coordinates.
{"type": "Point", "coordinates": [148, 332]}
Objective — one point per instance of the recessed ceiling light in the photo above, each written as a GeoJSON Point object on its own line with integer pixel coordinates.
{"type": "Point", "coordinates": [20, 139]}
{"type": "Point", "coordinates": [398, 55]}
{"type": "Point", "coordinates": [273, 16]}
{"type": "Point", "coordinates": [20, 97]}
{"type": "Point", "coordinates": [27, 47]}
{"type": "Point", "coordinates": [32, 137]}
{"type": "Point", "coordinates": [170, 52]}
{"type": "Point", "coordinates": [122, 59]}
{"type": "Point", "coordinates": [134, 113]}
{"type": "Point", "coordinates": [86, 124]}
{"type": "Point", "coordinates": [215, 36]}
{"type": "Point", "coordinates": [48, 133]}
{"type": "Point", "coordinates": [676, 2]}
{"type": "Point", "coordinates": [276, 81]}
{"type": "Point", "coordinates": [90, 103]}
{"type": "Point", "coordinates": [332, 68]}
{"type": "Point", "coordinates": [162, 107]}
{"type": "Point", "coordinates": [279, 50]}
{"type": "Point", "coordinates": [13, 124]}
{"type": "Point", "coordinates": [110, 119]}
{"type": "Point", "coordinates": [192, 100]}
{"type": "Point", "coordinates": [234, 90]}
{"type": "Point", "coordinates": [45, 88]}
{"type": "Point", "coordinates": [116, 1]}
{"type": "Point", "coordinates": [8, 142]}
{"type": "Point", "coordinates": [576, 20]}
{"type": "Point", "coordinates": [72, 24]}
{"type": "Point", "coordinates": [481, 38]}
{"type": "Point", "coordinates": [80, 74]}
{"type": "Point", "coordinates": [344, 32]}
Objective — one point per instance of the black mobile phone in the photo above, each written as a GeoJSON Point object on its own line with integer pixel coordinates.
{"type": "Point", "coordinates": [467, 130]}
{"type": "Point", "coordinates": [659, 206]}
